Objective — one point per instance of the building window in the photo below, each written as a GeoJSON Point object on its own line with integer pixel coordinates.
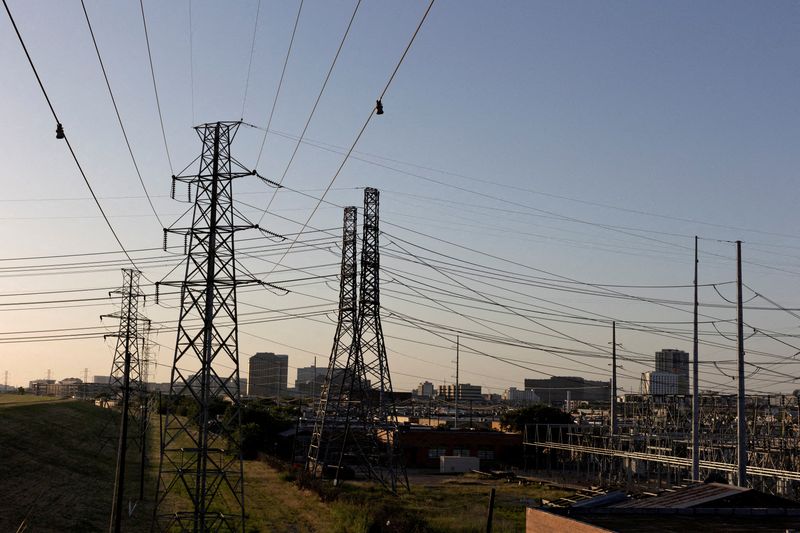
{"type": "Point", "coordinates": [434, 453]}
{"type": "Point", "coordinates": [486, 454]}
{"type": "Point", "coordinates": [461, 452]}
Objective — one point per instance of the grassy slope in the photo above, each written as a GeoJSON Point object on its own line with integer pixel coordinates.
{"type": "Point", "coordinates": [54, 470]}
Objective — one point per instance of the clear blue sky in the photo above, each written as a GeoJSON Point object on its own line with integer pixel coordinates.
{"type": "Point", "coordinates": [591, 140]}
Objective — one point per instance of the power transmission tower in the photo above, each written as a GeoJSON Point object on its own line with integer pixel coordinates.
{"type": "Point", "coordinates": [125, 377]}
{"type": "Point", "coordinates": [374, 426]}
{"type": "Point", "coordinates": [201, 463]}
{"type": "Point", "coordinates": [330, 426]}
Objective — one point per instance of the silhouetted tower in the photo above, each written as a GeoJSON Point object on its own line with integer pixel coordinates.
{"type": "Point", "coordinates": [330, 426]}
{"type": "Point", "coordinates": [126, 384]}
{"type": "Point", "coordinates": [201, 459]}
{"type": "Point", "coordinates": [372, 415]}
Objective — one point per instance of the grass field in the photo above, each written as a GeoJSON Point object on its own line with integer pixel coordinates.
{"type": "Point", "coordinates": [57, 467]}
{"type": "Point", "coordinates": [57, 474]}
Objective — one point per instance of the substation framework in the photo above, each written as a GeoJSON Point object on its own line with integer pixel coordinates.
{"type": "Point", "coordinates": [356, 418]}
{"type": "Point", "coordinates": [200, 447]}
{"type": "Point", "coordinates": [654, 444]}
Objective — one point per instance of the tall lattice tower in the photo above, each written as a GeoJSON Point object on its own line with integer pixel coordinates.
{"type": "Point", "coordinates": [330, 427]}
{"type": "Point", "coordinates": [379, 448]}
{"type": "Point", "coordinates": [201, 481]}
{"type": "Point", "coordinates": [126, 385]}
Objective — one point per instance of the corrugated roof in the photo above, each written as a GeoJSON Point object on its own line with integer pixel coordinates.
{"type": "Point", "coordinates": [685, 498]}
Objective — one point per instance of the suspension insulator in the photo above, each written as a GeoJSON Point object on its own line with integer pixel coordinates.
{"type": "Point", "coordinates": [185, 243]}
{"type": "Point", "coordinates": [165, 240]}
{"type": "Point", "coordinates": [157, 286]}
{"type": "Point", "coordinates": [172, 192]}
{"type": "Point", "coordinates": [189, 192]}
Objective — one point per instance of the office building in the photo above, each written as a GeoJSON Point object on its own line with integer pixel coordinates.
{"type": "Point", "coordinates": [675, 362]}
{"type": "Point", "coordinates": [466, 392]}
{"type": "Point", "coordinates": [556, 390]}
{"type": "Point", "coordinates": [424, 390]}
{"type": "Point", "coordinates": [526, 396]}
{"type": "Point", "coordinates": [269, 374]}
{"type": "Point", "coordinates": [659, 383]}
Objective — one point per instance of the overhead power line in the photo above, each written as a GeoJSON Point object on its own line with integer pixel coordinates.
{"type": "Point", "coordinates": [366, 122]}
{"type": "Point", "coordinates": [280, 82]}
{"type": "Point", "coordinates": [119, 117]}
{"type": "Point", "coordinates": [313, 110]}
{"type": "Point", "coordinates": [155, 87]}
{"type": "Point", "coordinates": [66, 138]}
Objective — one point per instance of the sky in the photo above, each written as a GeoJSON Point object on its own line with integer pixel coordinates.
{"type": "Point", "coordinates": [543, 168]}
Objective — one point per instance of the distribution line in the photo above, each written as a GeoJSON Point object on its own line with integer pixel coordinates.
{"type": "Point", "coordinates": [66, 138]}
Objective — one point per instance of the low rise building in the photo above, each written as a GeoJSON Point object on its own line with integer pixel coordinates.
{"type": "Point", "coordinates": [658, 383]}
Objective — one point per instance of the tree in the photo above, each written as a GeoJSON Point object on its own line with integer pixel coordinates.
{"type": "Point", "coordinates": [20, 390]}
{"type": "Point", "coordinates": [517, 419]}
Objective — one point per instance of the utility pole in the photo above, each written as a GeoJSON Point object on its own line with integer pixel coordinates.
{"type": "Point", "coordinates": [458, 346]}
{"type": "Point", "coordinates": [695, 384]}
{"type": "Point", "coordinates": [741, 413]}
{"type": "Point", "coordinates": [5, 384]}
{"type": "Point", "coordinates": [201, 454]}
{"type": "Point", "coordinates": [613, 379]}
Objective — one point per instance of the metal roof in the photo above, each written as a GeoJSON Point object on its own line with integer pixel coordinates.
{"type": "Point", "coordinates": [685, 498]}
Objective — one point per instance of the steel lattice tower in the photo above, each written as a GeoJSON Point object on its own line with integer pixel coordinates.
{"type": "Point", "coordinates": [379, 449]}
{"type": "Point", "coordinates": [330, 427]}
{"type": "Point", "coordinates": [201, 452]}
{"type": "Point", "coordinates": [126, 376]}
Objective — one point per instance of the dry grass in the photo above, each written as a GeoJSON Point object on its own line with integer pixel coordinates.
{"type": "Point", "coordinates": [55, 472]}
{"type": "Point", "coordinates": [450, 503]}
{"type": "Point", "coordinates": [8, 399]}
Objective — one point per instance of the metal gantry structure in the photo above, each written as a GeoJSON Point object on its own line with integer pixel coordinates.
{"type": "Point", "coordinates": [356, 422]}
{"type": "Point", "coordinates": [127, 386]}
{"type": "Point", "coordinates": [654, 443]}
{"type": "Point", "coordinates": [200, 444]}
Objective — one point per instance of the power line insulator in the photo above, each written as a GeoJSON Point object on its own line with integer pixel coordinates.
{"type": "Point", "coordinates": [59, 131]}
{"type": "Point", "coordinates": [172, 192]}
{"type": "Point", "coordinates": [378, 107]}
{"type": "Point", "coordinates": [165, 239]}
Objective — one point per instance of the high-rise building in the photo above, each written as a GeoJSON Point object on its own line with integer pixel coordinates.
{"type": "Point", "coordinates": [269, 374]}
{"type": "Point", "coordinates": [675, 362]}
